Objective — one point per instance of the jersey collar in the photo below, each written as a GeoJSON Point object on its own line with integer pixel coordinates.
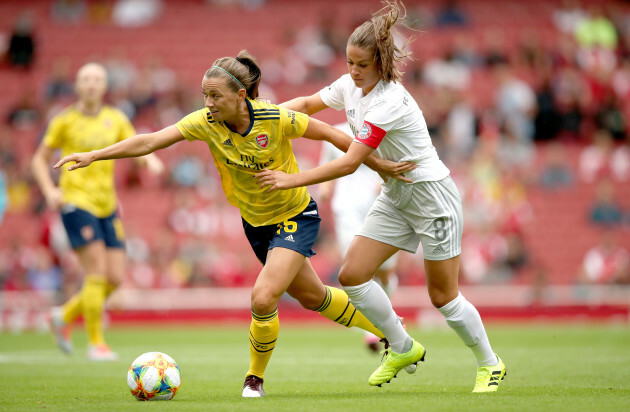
{"type": "Point", "coordinates": [250, 110]}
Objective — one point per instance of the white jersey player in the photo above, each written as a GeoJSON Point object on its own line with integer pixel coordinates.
{"type": "Point", "coordinates": [387, 120]}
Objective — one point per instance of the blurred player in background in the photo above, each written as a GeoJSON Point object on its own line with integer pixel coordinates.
{"type": "Point", "coordinates": [351, 198]}
{"type": "Point", "coordinates": [244, 136]}
{"type": "Point", "coordinates": [386, 119]}
{"type": "Point", "coordinates": [88, 205]}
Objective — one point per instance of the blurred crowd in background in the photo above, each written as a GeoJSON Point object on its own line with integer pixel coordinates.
{"type": "Point", "coordinates": [517, 119]}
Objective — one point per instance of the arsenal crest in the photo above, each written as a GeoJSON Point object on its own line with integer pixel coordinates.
{"type": "Point", "coordinates": [262, 140]}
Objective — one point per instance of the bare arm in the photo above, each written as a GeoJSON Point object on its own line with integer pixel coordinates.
{"type": "Point", "coordinates": [345, 165]}
{"type": "Point", "coordinates": [318, 130]}
{"type": "Point", "coordinates": [138, 145]}
{"type": "Point", "coordinates": [305, 104]}
{"type": "Point", "coordinates": [40, 167]}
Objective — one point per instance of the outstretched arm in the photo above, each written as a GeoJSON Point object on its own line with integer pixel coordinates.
{"type": "Point", "coordinates": [345, 165]}
{"type": "Point", "coordinates": [356, 153]}
{"type": "Point", "coordinates": [138, 145]}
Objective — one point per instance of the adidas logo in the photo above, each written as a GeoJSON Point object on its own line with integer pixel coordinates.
{"type": "Point", "coordinates": [289, 238]}
{"type": "Point", "coordinates": [228, 142]}
{"type": "Point", "coordinates": [438, 249]}
{"type": "Point", "coordinates": [350, 113]}
{"type": "Point", "coordinates": [495, 378]}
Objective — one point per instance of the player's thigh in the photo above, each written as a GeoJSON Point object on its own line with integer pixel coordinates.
{"type": "Point", "coordinates": [116, 265]}
{"type": "Point", "coordinates": [437, 216]}
{"type": "Point", "coordinates": [92, 257]}
{"type": "Point", "coordinates": [307, 288]}
{"type": "Point", "coordinates": [114, 238]}
{"type": "Point", "coordinates": [363, 258]}
{"type": "Point", "coordinates": [86, 237]}
{"type": "Point", "coordinates": [280, 269]}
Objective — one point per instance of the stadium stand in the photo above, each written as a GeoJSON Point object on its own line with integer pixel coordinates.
{"type": "Point", "coordinates": [189, 34]}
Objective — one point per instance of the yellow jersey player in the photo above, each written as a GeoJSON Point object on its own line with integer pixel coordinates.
{"type": "Point", "coordinates": [87, 202]}
{"type": "Point", "coordinates": [245, 136]}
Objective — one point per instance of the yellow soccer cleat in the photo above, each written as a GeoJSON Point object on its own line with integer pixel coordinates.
{"type": "Point", "coordinates": [395, 362]}
{"type": "Point", "coordinates": [489, 377]}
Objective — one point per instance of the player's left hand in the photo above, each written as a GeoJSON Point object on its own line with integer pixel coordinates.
{"type": "Point", "coordinates": [275, 179]}
{"type": "Point", "coordinates": [387, 168]}
{"type": "Point", "coordinates": [154, 165]}
{"type": "Point", "coordinates": [80, 159]}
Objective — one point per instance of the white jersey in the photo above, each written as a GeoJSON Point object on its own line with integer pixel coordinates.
{"type": "Point", "coordinates": [389, 120]}
{"type": "Point", "coordinates": [350, 195]}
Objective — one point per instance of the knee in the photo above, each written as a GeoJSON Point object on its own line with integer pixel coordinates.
{"type": "Point", "coordinates": [441, 298]}
{"type": "Point", "coordinates": [263, 302]}
{"type": "Point", "coordinates": [350, 275]}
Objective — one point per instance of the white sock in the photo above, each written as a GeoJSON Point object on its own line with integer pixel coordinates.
{"type": "Point", "coordinates": [371, 300]}
{"type": "Point", "coordinates": [464, 319]}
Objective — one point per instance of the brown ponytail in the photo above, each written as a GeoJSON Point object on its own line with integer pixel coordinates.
{"type": "Point", "coordinates": [376, 37]}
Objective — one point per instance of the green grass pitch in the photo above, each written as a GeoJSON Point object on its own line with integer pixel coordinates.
{"type": "Point", "coordinates": [321, 368]}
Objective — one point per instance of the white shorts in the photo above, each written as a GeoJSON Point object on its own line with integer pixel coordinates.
{"type": "Point", "coordinates": [406, 214]}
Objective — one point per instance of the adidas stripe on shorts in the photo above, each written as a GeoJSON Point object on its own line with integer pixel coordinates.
{"type": "Point", "coordinates": [297, 233]}
{"type": "Point", "coordinates": [406, 214]}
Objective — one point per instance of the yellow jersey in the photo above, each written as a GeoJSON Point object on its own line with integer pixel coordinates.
{"type": "Point", "coordinates": [72, 131]}
{"type": "Point", "coordinates": [266, 145]}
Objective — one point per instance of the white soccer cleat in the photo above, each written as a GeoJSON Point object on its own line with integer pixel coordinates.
{"type": "Point", "coordinates": [61, 331]}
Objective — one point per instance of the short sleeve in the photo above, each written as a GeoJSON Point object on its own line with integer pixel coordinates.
{"type": "Point", "coordinates": [126, 128]}
{"type": "Point", "coordinates": [192, 126]}
{"type": "Point", "coordinates": [370, 135]}
{"type": "Point", "coordinates": [293, 124]}
{"type": "Point", "coordinates": [333, 95]}
{"type": "Point", "coordinates": [385, 114]}
{"type": "Point", "coordinates": [54, 133]}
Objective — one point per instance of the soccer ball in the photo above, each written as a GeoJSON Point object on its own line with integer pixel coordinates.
{"type": "Point", "coordinates": [153, 376]}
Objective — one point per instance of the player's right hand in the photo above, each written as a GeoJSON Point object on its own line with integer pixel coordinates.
{"type": "Point", "coordinates": [80, 159]}
{"type": "Point", "coordinates": [54, 199]}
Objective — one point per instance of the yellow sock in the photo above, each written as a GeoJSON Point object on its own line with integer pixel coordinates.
{"type": "Point", "coordinates": [338, 308]}
{"type": "Point", "coordinates": [109, 289]}
{"type": "Point", "coordinates": [71, 310]}
{"type": "Point", "coordinates": [93, 303]}
{"type": "Point", "coordinates": [263, 333]}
